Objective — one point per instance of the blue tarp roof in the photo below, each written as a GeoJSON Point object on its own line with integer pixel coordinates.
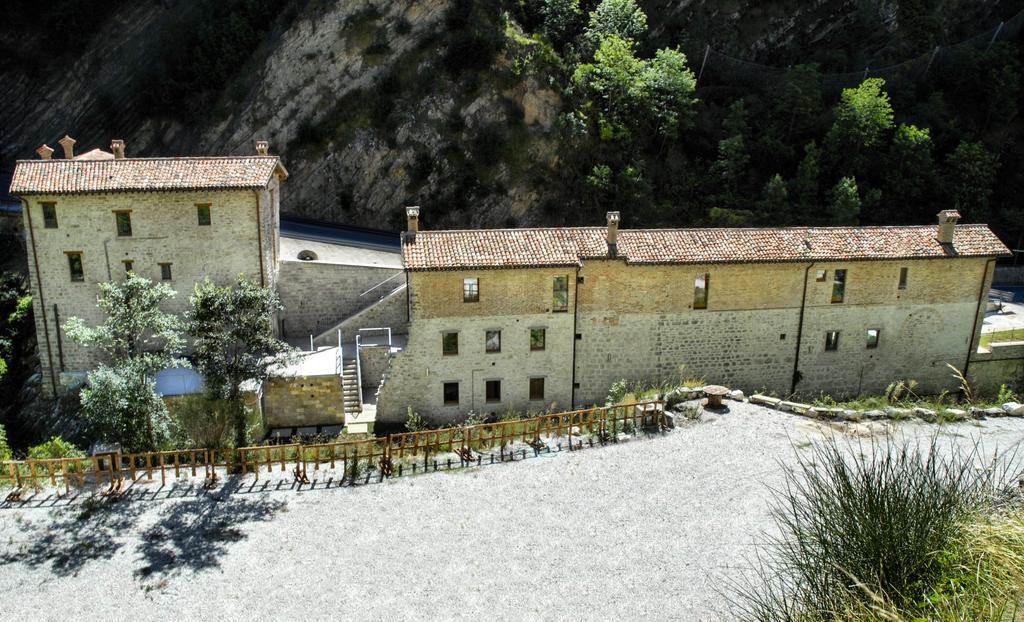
{"type": "Point", "coordinates": [179, 381]}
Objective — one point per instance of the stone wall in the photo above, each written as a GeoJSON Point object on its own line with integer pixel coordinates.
{"type": "Point", "coordinates": [302, 401]}
{"type": "Point", "coordinates": [512, 301]}
{"type": "Point", "coordinates": [318, 295]}
{"type": "Point", "coordinates": [164, 229]}
{"type": "Point", "coordinates": [389, 312]}
{"type": "Point", "coordinates": [373, 361]}
{"type": "Point", "coordinates": [635, 321]}
{"type": "Point", "coordinates": [638, 323]}
{"type": "Point", "coordinates": [1002, 363]}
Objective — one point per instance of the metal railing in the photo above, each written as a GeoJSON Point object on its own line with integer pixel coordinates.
{"type": "Point", "coordinates": [381, 283]}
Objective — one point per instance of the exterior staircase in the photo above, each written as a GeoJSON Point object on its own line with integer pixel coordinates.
{"type": "Point", "coordinates": [350, 387]}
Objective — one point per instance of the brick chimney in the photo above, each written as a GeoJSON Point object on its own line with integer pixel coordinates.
{"type": "Point", "coordinates": [262, 148]}
{"type": "Point", "coordinates": [412, 220]}
{"type": "Point", "coordinates": [613, 233]}
{"type": "Point", "coordinates": [947, 223]}
{"type": "Point", "coordinates": [69, 146]}
{"type": "Point", "coordinates": [117, 148]}
{"type": "Point", "coordinates": [45, 152]}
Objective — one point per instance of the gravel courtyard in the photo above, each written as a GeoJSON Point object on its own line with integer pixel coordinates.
{"type": "Point", "coordinates": [651, 528]}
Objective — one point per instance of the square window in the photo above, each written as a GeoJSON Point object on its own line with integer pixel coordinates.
{"type": "Point", "coordinates": [536, 388]}
{"type": "Point", "coordinates": [838, 285]}
{"type": "Point", "coordinates": [832, 340]}
{"type": "Point", "coordinates": [492, 390]}
{"type": "Point", "coordinates": [165, 272]}
{"type": "Point", "coordinates": [903, 278]}
{"type": "Point", "coordinates": [470, 290]}
{"type": "Point", "coordinates": [493, 342]}
{"type": "Point", "coordinates": [537, 338]}
{"type": "Point", "coordinates": [451, 393]}
{"type": "Point", "coordinates": [560, 294]}
{"type": "Point", "coordinates": [821, 275]}
{"type": "Point", "coordinates": [75, 266]}
{"type": "Point", "coordinates": [449, 344]}
{"type": "Point", "coordinates": [124, 223]}
{"type": "Point", "coordinates": [203, 214]}
{"type": "Point", "coordinates": [700, 291]}
{"type": "Point", "coordinates": [49, 215]}
{"type": "Point", "coordinates": [872, 341]}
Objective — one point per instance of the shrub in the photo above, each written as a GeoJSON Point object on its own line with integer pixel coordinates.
{"type": "Point", "coordinates": [885, 532]}
{"type": "Point", "coordinates": [201, 421]}
{"type": "Point", "coordinates": [117, 407]}
{"type": "Point", "coordinates": [5, 449]}
{"type": "Point", "coordinates": [56, 447]}
{"type": "Point", "coordinates": [1005, 394]}
{"type": "Point", "coordinates": [414, 422]}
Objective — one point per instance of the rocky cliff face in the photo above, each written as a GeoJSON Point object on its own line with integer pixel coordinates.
{"type": "Point", "coordinates": [377, 104]}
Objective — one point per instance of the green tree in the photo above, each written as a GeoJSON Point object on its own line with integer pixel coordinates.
{"type": "Point", "coordinates": [730, 168]}
{"type": "Point", "coordinates": [5, 449]}
{"type": "Point", "coordinates": [863, 116]}
{"type": "Point", "coordinates": [773, 209]}
{"type": "Point", "coordinates": [668, 88]}
{"type": "Point", "coordinates": [805, 187]}
{"type": "Point", "coordinates": [844, 207]}
{"type": "Point", "coordinates": [619, 18]}
{"type": "Point", "coordinates": [234, 341]}
{"type": "Point", "coordinates": [910, 174]}
{"type": "Point", "coordinates": [16, 327]}
{"type": "Point", "coordinates": [563, 20]}
{"type": "Point", "coordinates": [139, 338]}
{"type": "Point", "coordinates": [970, 179]}
{"type": "Point", "coordinates": [612, 85]}
{"type": "Point", "coordinates": [799, 100]}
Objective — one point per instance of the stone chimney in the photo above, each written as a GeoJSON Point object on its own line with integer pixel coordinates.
{"type": "Point", "coordinates": [262, 148]}
{"type": "Point", "coordinates": [117, 148]}
{"type": "Point", "coordinates": [947, 223]}
{"type": "Point", "coordinates": [412, 220]}
{"type": "Point", "coordinates": [69, 146]}
{"type": "Point", "coordinates": [613, 233]}
{"type": "Point", "coordinates": [45, 152]}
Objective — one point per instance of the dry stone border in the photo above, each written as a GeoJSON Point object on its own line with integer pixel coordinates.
{"type": "Point", "coordinates": [1009, 409]}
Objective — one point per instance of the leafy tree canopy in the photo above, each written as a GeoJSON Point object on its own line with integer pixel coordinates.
{"type": "Point", "coordinates": [234, 340]}
{"type": "Point", "coordinates": [618, 18]}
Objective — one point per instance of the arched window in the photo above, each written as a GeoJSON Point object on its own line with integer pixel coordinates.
{"type": "Point", "coordinates": [307, 256]}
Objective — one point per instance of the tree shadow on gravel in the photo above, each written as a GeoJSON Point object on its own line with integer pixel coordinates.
{"type": "Point", "coordinates": [69, 539]}
{"type": "Point", "coordinates": [194, 535]}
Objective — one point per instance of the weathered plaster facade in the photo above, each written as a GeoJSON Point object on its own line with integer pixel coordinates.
{"type": "Point", "coordinates": [764, 327]}
{"type": "Point", "coordinates": [512, 301]}
{"type": "Point", "coordinates": [241, 239]}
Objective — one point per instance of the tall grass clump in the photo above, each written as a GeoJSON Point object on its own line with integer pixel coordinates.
{"type": "Point", "coordinates": [891, 530]}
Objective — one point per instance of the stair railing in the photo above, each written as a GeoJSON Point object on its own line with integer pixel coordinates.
{"type": "Point", "coordinates": [359, 373]}
{"type": "Point", "coordinates": [381, 283]}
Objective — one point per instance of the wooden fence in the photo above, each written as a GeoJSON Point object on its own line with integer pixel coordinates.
{"type": "Point", "coordinates": [385, 456]}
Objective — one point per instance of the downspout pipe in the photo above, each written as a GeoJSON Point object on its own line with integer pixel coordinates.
{"type": "Point", "coordinates": [42, 303]}
{"type": "Point", "coordinates": [575, 314]}
{"type": "Point", "coordinates": [800, 331]}
{"type": "Point", "coordinates": [977, 312]}
{"type": "Point", "coordinates": [259, 237]}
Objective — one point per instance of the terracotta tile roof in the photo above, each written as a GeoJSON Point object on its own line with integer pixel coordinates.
{"type": "Point", "coordinates": [514, 248]}
{"type": "Point", "coordinates": [63, 176]}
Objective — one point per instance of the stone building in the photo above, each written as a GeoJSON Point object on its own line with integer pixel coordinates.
{"type": "Point", "coordinates": [491, 320]}
{"type": "Point", "coordinates": [523, 318]}
{"type": "Point", "coordinates": [90, 218]}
